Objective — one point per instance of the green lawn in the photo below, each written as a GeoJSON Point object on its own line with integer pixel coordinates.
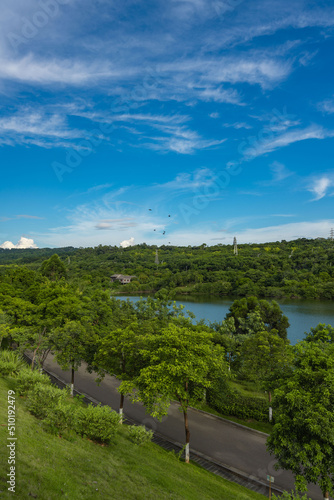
{"type": "Point", "coordinates": [247, 388]}
{"type": "Point", "coordinates": [51, 468]}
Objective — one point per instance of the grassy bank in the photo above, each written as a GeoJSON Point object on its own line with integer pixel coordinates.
{"type": "Point", "coordinates": [50, 468]}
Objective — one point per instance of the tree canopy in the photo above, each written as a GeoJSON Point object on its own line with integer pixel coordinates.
{"type": "Point", "coordinates": [303, 435]}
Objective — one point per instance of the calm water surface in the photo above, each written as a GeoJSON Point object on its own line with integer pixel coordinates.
{"type": "Point", "coordinates": [302, 314]}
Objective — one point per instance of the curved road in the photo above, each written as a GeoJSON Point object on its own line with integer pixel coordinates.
{"type": "Point", "coordinates": [228, 443]}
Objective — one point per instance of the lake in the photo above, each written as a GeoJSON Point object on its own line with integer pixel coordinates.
{"type": "Point", "coordinates": [302, 314]}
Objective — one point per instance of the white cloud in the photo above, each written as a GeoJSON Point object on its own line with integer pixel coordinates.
{"type": "Point", "coordinates": [238, 125]}
{"type": "Point", "coordinates": [192, 181]}
{"type": "Point", "coordinates": [38, 128]}
{"type": "Point", "coordinates": [320, 186]}
{"type": "Point", "coordinates": [279, 173]}
{"type": "Point", "coordinates": [22, 243]}
{"type": "Point", "coordinates": [31, 70]}
{"type": "Point", "coordinates": [327, 106]}
{"type": "Point", "coordinates": [127, 243]}
{"type": "Point", "coordinates": [230, 96]}
{"type": "Point", "coordinates": [275, 142]}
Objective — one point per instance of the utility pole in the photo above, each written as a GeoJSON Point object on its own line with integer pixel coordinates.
{"type": "Point", "coordinates": [235, 246]}
{"type": "Point", "coordinates": [331, 234]}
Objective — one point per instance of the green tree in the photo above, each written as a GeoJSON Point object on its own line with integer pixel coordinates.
{"type": "Point", "coordinates": [70, 343]}
{"type": "Point", "coordinates": [303, 438]}
{"type": "Point", "coordinates": [270, 313]}
{"type": "Point", "coordinates": [322, 332]}
{"type": "Point", "coordinates": [4, 327]}
{"type": "Point", "coordinates": [266, 358]}
{"type": "Point", "coordinates": [53, 268]}
{"type": "Point", "coordinates": [179, 363]}
{"type": "Point", "coordinates": [116, 354]}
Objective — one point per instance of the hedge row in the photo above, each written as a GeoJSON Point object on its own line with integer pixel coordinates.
{"type": "Point", "coordinates": [229, 402]}
{"type": "Point", "coordinates": [61, 415]}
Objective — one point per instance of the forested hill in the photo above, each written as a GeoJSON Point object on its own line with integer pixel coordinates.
{"type": "Point", "coordinates": [300, 268]}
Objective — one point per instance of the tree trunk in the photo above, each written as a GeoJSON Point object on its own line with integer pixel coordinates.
{"type": "Point", "coordinates": [326, 495]}
{"type": "Point", "coordinates": [72, 382]}
{"type": "Point", "coordinates": [121, 404]}
{"type": "Point", "coordinates": [33, 359]}
{"type": "Point", "coordinates": [186, 426]}
{"type": "Point", "coordinates": [270, 408]}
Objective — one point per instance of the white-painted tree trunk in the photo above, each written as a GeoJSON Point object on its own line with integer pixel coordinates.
{"type": "Point", "coordinates": [187, 453]}
{"type": "Point", "coordinates": [72, 388]}
{"type": "Point", "coordinates": [121, 415]}
{"type": "Point", "coordinates": [270, 413]}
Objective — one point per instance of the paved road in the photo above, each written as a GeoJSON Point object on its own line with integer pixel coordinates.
{"type": "Point", "coordinates": [226, 442]}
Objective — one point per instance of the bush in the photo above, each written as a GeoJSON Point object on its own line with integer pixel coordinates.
{"type": "Point", "coordinates": [291, 496]}
{"type": "Point", "coordinates": [11, 363]}
{"type": "Point", "coordinates": [43, 398]}
{"type": "Point", "coordinates": [61, 418]}
{"type": "Point", "coordinates": [27, 379]}
{"type": "Point", "coordinates": [139, 435]}
{"type": "Point", "coordinates": [98, 423]}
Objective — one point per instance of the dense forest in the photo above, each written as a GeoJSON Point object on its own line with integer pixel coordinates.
{"type": "Point", "coordinates": [302, 268]}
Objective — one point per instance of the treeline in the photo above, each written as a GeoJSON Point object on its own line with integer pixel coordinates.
{"type": "Point", "coordinates": [301, 268]}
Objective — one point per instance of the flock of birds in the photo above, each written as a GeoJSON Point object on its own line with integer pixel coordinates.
{"type": "Point", "coordinates": [164, 232]}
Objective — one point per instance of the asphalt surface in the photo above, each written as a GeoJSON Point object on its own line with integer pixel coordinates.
{"type": "Point", "coordinates": [231, 444]}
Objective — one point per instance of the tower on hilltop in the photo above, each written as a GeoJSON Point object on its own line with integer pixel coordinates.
{"type": "Point", "coordinates": [235, 249]}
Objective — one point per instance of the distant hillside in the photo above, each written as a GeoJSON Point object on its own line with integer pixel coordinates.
{"type": "Point", "coordinates": [301, 268]}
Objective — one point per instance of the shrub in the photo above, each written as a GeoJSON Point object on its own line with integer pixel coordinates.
{"type": "Point", "coordinates": [229, 402]}
{"type": "Point", "coordinates": [43, 398]}
{"type": "Point", "coordinates": [11, 363]}
{"type": "Point", "coordinates": [291, 496]}
{"type": "Point", "coordinates": [98, 423]}
{"type": "Point", "coordinates": [139, 435]}
{"type": "Point", "coordinates": [27, 379]}
{"type": "Point", "coordinates": [61, 418]}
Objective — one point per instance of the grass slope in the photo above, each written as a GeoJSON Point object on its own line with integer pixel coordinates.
{"type": "Point", "coordinates": [51, 468]}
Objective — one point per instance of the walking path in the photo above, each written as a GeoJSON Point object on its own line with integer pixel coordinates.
{"type": "Point", "coordinates": [233, 445]}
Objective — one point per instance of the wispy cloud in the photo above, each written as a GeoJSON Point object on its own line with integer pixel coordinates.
{"type": "Point", "coordinates": [285, 139]}
{"type": "Point", "coordinates": [327, 106]}
{"type": "Point", "coordinates": [319, 186]}
{"type": "Point", "coordinates": [189, 181]}
{"type": "Point", "coordinates": [16, 217]}
{"type": "Point", "coordinates": [31, 70]}
{"type": "Point", "coordinates": [42, 129]}
{"type": "Point", "coordinates": [237, 125]}
{"type": "Point", "coordinates": [279, 174]}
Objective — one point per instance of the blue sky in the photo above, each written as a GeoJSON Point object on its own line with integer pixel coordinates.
{"type": "Point", "coordinates": [178, 121]}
